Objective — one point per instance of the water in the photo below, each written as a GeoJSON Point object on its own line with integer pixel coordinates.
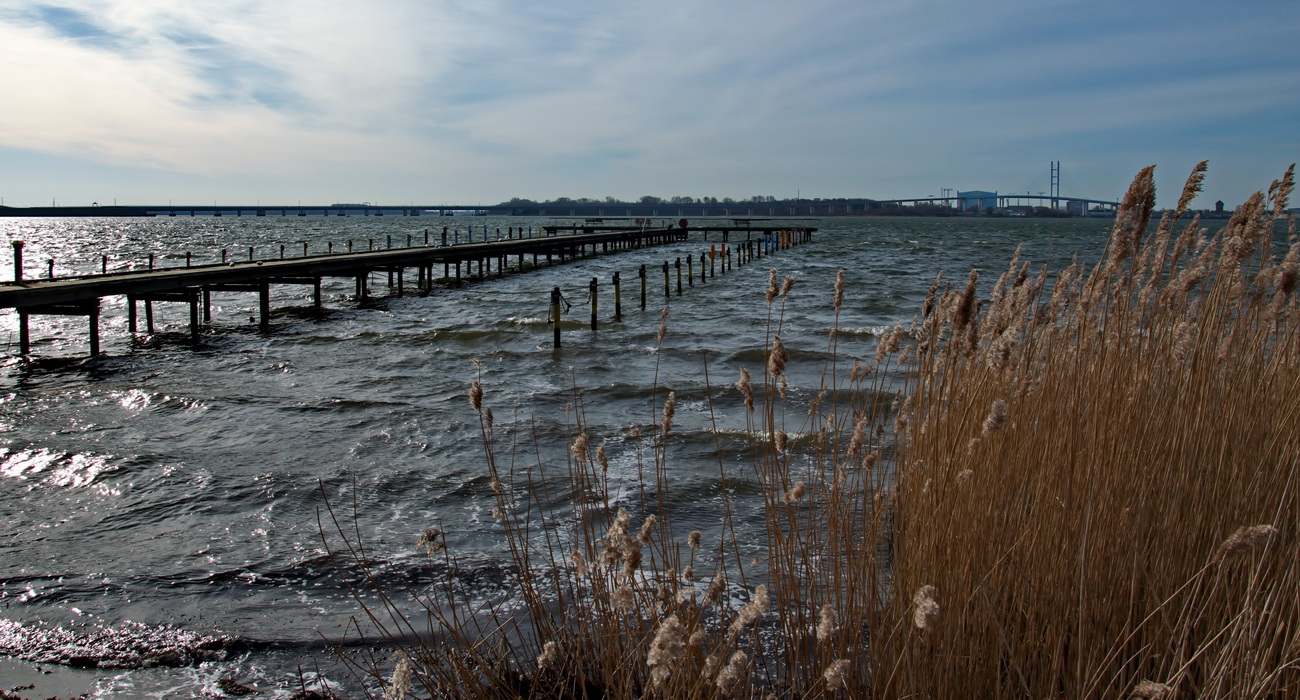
{"type": "Point", "coordinates": [181, 488]}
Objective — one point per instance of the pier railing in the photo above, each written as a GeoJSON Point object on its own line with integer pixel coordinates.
{"type": "Point", "coordinates": [192, 284]}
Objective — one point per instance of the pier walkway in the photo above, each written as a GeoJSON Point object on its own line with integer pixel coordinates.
{"type": "Point", "coordinates": [81, 295]}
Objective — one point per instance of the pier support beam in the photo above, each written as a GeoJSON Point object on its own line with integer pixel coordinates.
{"type": "Point", "coordinates": [190, 296]}
{"type": "Point", "coordinates": [264, 305]}
{"type": "Point", "coordinates": [88, 308]}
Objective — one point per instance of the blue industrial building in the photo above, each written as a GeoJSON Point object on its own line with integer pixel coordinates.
{"type": "Point", "coordinates": [977, 201]}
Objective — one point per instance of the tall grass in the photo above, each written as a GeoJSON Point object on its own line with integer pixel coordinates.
{"type": "Point", "coordinates": [1068, 485]}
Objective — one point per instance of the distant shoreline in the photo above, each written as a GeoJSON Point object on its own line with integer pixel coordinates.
{"type": "Point", "coordinates": [71, 211]}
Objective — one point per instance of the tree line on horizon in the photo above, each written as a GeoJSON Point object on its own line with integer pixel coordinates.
{"type": "Point", "coordinates": [651, 200]}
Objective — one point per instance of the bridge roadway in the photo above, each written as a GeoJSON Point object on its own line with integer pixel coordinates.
{"type": "Point", "coordinates": [80, 295]}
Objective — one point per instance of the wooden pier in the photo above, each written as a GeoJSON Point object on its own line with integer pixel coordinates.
{"type": "Point", "coordinates": [192, 285]}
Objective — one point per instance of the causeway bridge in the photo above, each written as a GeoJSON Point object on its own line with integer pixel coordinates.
{"type": "Point", "coordinates": [80, 295]}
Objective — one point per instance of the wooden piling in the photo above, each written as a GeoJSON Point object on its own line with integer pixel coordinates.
{"type": "Point", "coordinates": [264, 305]}
{"type": "Point", "coordinates": [618, 299]}
{"type": "Point", "coordinates": [643, 281]}
{"type": "Point", "coordinates": [555, 316]}
{"type": "Point", "coordinates": [18, 262]}
{"type": "Point", "coordinates": [93, 320]}
{"type": "Point", "coordinates": [591, 294]}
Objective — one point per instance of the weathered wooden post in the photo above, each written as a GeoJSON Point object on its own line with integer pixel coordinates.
{"type": "Point", "coordinates": [618, 299]}
{"type": "Point", "coordinates": [690, 270]}
{"type": "Point", "coordinates": [555, 316]}
{"type": "Point", "coordinates": [702, 277]}
{"type": "Point", "coordinates": [250, 253]}
{"type": "Point", "coordinates": [643, 287]}
{"type": "Point", "coordinates": [713, 255]}
{"type": "Point", "coordinates": [223, 256]}
{"type": "Point", "coordinates": [591, 292]}
{"type": "Point", "coordinates": [264, 305]}
{"type": "Point", "coordinates": [668, 292]}
{"type": "Point", "coordinates": [51, 268]}
{"type": "Point", "coordinates": [679, 276]}
{"type": "Point", "coordinates": [194, 316]}
{"type": "Point", "coordinates": [93, 314]}
{"type": "Point", "coordinates": [24, 334]}
{"type": "Point", "coordinates": [103, 263]}
{"type": "Point", "coordinates": [151, 261]}
{"type": "Point", "coordinates": [304, 249]}
{"type": "Point", "coordinates": [187, 258]}
{"type": "Point", "coordinates": [18, 262]}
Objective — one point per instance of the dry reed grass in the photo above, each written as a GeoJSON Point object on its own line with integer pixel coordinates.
{"type": "Point", "coordinates": [1084, 487]}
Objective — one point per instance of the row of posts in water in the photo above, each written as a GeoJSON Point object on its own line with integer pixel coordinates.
{"type": "Point", "coordinates": [449, 237]}
{"type": "Point", "coordinates": [719, 258]}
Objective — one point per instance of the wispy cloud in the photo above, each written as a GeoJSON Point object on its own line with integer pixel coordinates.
{"type": "Point", "coordinates": [490, 99]}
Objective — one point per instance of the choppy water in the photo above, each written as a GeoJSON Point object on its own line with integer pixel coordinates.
{"type": "Point", "coordinates": [172, 486]}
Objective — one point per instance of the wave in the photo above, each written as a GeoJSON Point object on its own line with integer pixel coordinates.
{"type": "Point", "coordinates": [130, 645]}
{"type": "Point", "coordinates": [59, 469]}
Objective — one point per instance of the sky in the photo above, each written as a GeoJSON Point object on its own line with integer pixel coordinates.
{"type": "Point", "coordinates": [478, 101]}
